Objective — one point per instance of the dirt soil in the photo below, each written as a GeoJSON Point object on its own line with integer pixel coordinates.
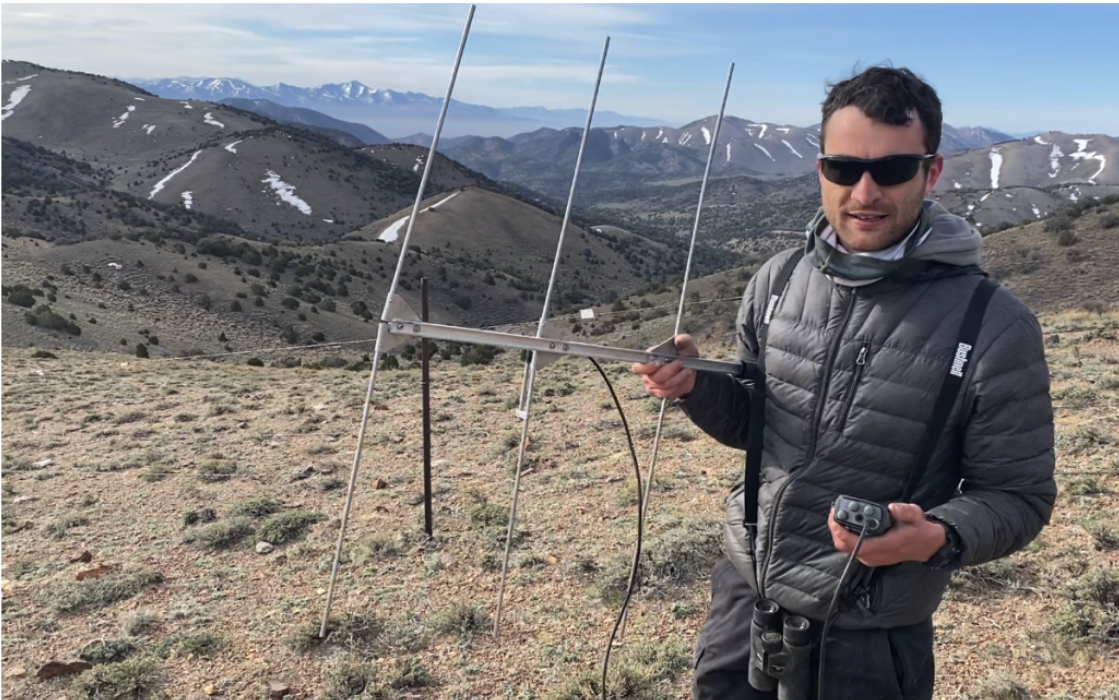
{"type": "Point", "coordinates": [114, 456]}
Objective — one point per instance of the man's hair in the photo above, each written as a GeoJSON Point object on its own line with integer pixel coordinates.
{"type": "Point", "coordinates": [888, 95]}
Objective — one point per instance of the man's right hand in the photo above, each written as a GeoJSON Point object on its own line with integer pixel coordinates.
{"type": "Point", "coordinates": [670, 380]}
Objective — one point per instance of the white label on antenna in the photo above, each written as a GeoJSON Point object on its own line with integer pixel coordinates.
{"type": "Point", "coordinates": [586, 313]}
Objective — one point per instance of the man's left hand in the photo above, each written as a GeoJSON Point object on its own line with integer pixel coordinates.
{"type": "Point", "coordinates": [912, 538]}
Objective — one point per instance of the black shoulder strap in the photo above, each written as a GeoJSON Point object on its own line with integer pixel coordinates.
{"type": "Point", "coordinates": [953, 381]}
{"type": "Point", "coordinates": [753, 469]}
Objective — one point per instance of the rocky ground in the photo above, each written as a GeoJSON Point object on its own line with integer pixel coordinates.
{"type": "Point", "coordinates": [137, 493]}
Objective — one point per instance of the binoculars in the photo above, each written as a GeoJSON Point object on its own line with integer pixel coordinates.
{"type": "Point", "coordinates": [780, 652]}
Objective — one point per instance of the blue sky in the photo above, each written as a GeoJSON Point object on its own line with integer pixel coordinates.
{"type": "Point", "coordinates": [1013, 67]}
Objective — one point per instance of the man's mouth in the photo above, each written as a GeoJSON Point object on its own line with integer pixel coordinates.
{"type": "Point", "coordinates": [868, 217]}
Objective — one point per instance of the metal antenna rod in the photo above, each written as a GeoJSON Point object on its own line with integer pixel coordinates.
{"type": "Point", "coordinates": [382, 329]}
{"type": "Point", "coordinates": [531, 374]}
{"type": "Point", "coordinates": [687, 274]}
{"type": "Point", "coordinates": [683, 293]}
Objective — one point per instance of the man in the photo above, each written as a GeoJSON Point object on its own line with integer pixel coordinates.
{"type": "Point", "coordinates": [857, 345]}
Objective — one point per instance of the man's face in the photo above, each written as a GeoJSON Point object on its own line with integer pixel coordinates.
{"type": "Point", "coordinates": [885, 214]}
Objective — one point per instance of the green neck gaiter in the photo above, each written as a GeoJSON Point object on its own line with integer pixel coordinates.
{"type": "Point", "coordinates": [857, 268]}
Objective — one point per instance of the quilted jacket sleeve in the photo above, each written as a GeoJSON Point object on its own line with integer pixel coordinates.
{"type": "Point", "coordinates": [719, 405]}
{"type": "Point", "coordinates": [1007, 457]}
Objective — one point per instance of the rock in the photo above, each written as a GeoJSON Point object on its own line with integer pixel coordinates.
{"type": "Point", "coordinates": [209, 689]}
{"type": "Point", "coordinates": [302, 472]}
{"type": "Point", "coordinates": [281, 559]}
{"type": "Point", "coordinates": [45, 462]}
{"type": "Point", "coordinates": [1054, 339]}
{"type": "Point", "coordinates": [54, 669]}
{"type": "Point", "coordinates": [264, 547]}
{"type": "Point", "coordinates": [277, 690]}
{"type": "Point", "coordinates": [17, 672]}
{"type": "Point", "coordinates": [96, 572]}
{"type": "Point", "coordinates": [83, 558]}
{"type": "Point", "coordinates": [379, 484]}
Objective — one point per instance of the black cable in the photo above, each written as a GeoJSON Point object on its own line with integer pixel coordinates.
{"type": "Point", "coordinates": [640, 527]}
{"type": "Point", "coordinates": [831, 610]}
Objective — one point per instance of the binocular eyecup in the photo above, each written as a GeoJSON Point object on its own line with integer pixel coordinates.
{"type": "Point", "coordinates": [780, 652]}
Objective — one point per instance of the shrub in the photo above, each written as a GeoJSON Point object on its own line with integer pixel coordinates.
{"type": "Point", "coordinates": [355, 632]}
{"type": "Point", "coordinates": [107, 651]}
{"type": "Point", "coordinates": [256, 507]}
{"type": "Point", "coordinates": [79, 596]}
{"type": "Point", "coordinates": [389, 362]}
{"type": "Point", "coordinates": [287, 527]}
{"type": "Point", "coordinates": [479, 355]}
{"type": "Point", "coordinates": [138, 679]}
{"type": "Point", "coordinates": [197, 643]}
{"type": "Point", "coordinates": [461, 619]}
{"type": "Point", "coordinates": [141, 350]}
{"type": "Point", "coordinates": [1058, 223]}
{"type": "Point", "coordinates": [255, 361]}
{"type": "Point", "coordinates": [222, 535]}
{"type": "Point", "coordinates": [1109, 221]}
{"type": "Point", "coordinates": [43, 317]}
{"type": "Point", "coordinates": [21, 296]}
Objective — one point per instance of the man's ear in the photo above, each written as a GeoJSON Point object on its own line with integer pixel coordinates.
{"type": "Point", "coordinates": [935, 169]}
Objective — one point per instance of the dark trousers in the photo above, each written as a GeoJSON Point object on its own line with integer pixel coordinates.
{"type": "Point", "coordinates": [893, 664]}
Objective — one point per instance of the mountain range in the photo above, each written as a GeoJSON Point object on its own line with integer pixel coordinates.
{"type": "Point", "coordinates": [387, 111]}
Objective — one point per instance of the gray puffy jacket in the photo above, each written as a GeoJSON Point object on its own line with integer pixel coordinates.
{"type": "Point", "coordinates": [853, 373]}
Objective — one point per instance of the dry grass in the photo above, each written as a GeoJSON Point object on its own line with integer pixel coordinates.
{"type": "Point", "coordinates": [424, 608]}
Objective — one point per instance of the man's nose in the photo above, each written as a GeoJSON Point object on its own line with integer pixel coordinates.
{"type": "Point", "coordinates": [866, 190]}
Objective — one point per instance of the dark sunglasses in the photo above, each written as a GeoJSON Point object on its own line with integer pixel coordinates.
{"type": "Point", "coordinates": [891, 170]}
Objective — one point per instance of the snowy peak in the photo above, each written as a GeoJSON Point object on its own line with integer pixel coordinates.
{"type": "Point", "coordinates": [1049, 159]}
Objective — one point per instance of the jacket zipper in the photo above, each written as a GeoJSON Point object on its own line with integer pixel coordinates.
{"type": "Point", "coordinates": [860, 363]}
{"type": "Point", "coordinates": [811, 452]}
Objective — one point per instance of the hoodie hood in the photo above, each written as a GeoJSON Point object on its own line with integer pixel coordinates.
{"type": "Point", "coordinates": [939, 236]}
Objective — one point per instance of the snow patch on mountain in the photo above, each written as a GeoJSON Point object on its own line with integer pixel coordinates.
{"type": "Point", "coordinates": [231, 147]}
{"type": "Point", "coordinates": [209, 119]}
{"type": "Point", "coordinates": [1082, 152]}
{"type": "Point", "coordinates": [1055, 160]}
{"type": "Point", "coordinates": [763, 128]}
{"type": "Point", "coordinates": [286, 192]}
{"type": "Point", "coordinates": [20, 80]}
{"type": "Point", "coordinates": [124, 117]}
{"type": "Point", "coordinates": [14, 99]}
{"type": "Point", "coordinates": [996, 166]}
{"type": "Point", "coordinates": [758, 145]}
{"type": "Point", "coordinates": [188, 199]}
{"type": "Point", "coordinates": [728, 152]}
{"type": "Point", "coordinates": [706, 135]}
{"type": "Point", "coordinates": [148, 128]}
{"type": "Point", "coordinates": [791, 148]}
{"type": "Point", "coordinates": [684, 138]}
{"type": "Point", "coordinates": [159, 185]}
{"type": "Point", "coordinates": [391, 233]}
{"type": "Point", "coordinates": [1038, 139]}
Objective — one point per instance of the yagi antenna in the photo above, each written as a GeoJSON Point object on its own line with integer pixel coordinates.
{"type": "Point", "coordinates": [382, 333]}
{"type": "Point", "coordinates": [399, 323]}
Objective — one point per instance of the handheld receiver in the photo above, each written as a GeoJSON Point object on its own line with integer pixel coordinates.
{"type": "Point", "coordinates": [855, 513]}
